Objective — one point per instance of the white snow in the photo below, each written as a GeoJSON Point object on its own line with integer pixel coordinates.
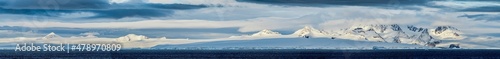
{"type": "Point", "coordinates": [261, 34]}
{"type": "Point", "coordinates": [266, 32]}
{"type": "Point", "coordinates": [310, 31]}
{"type": "Point", "coordinates": [51, 35]}
{"type": "Point", "coordinates": [131, 37]}
{"type": "Point", "coordinates": [395, 33]}
{"type": "Point", "coordinates": [163, 38]}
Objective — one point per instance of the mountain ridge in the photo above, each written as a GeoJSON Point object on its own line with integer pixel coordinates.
{"type": "Point", "coordinates": [391, 33]}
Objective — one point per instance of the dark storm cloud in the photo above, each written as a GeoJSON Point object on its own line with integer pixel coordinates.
{"type": "Point", "coordinates": [122, 13]}
{"type": "Point", "coordinates": [57, 4]}
{"type": "Point", "coordinates": [39, 12]}
{"type": "Point", "coordinates": [483, 9]}
{"type": "Point", "coordinates": [322, 3]}
{"type": "Point", "coordinates": [175, 6]}
{"type": "Point", "coordinates": [487, 17]}
{"type": "Point", "coordinates": [2, 3]}
{"type": "Point", "coordinates": [111, 13]}
{"type": "Point", "coordinates": [102, 8]}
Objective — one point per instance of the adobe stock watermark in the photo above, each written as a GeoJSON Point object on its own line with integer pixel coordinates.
{"type": "Point", "coordinates": [66, 47]}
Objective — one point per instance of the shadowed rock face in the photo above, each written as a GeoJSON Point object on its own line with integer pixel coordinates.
{"type": "Point", "coordinates": [415, 29]}
{"type": "Point", "coordinates": [454, 46]}
{"type": "Point", "coordinates": [447, 32]}
{"type": "Point", "coordinates": [440, 29]}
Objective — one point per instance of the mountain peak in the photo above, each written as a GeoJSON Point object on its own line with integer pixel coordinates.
{"type": "Point", "coordinates": [441, 29]}
{"type": "Point", "coordinates": [51, 35]}
{"type": "Point", "coordinates": [447, 32]}
{"type": "Point", "coordinates": [310, 31]}
{"type": "Point", "coordinates": [266, 32]}
{"type": "Point", "coordinates": [392, 33]}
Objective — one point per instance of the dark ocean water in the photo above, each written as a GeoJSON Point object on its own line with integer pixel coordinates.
{"type": "Point", "coordinates": [265, 54]}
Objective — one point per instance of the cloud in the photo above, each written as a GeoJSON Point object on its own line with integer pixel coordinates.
{"type": "Point", "coordinates": [176, 6]}
{"type": "Point", "coordinates": [103, 9]}
{"type": "Point", "coordinates": [122, 13]}
{"type": "Point", "coordinates": [483, 9]}
{"type": "Point", "coordinates": [10, 34]}
{"type": "Point", "coordinates": [118, 1]}
{"type": "Point", "coordinates": [325, 3]}
{"type": "Point", "coordinates": [57, 4]}
{"type": "Point", "coordinates": [248, 25]}
{"type": "Point", "coordinates": [222, 18]}
{"type": "Point", "coordinates": [90, 33]}
{"type": "Point", "coordinates": [111, 13]}
{"type": "Point", "coordinates": [485, 17]}
{"type": "Point", "coordinates": [478, 10]}
{"type": "Point", "coordinates": [197, 2]}
{"type": "Point", "coordinates": [253, 18]}
{"type": "Point", "coordinates": [289, 19]}
{"type": "Point", "coordinates": [463, 4]}
{"type": "Point", "coordinates": [40, 12]}
{"type": "Point", "coordinates": [2, 3]}
{"type": "Point", "coordinates": [16, 31]}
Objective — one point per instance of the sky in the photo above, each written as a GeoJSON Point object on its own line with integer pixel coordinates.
{"type": "Point", "coordinates": [224, 18]}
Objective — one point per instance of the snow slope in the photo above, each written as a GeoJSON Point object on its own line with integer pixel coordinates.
{"type": "Point", "coordinates": [310, 31]}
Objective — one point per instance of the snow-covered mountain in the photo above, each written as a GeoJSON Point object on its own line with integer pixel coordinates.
{"type": "Point", "coordinates": [393, 33]}
{"type": "Point", "coordinates": [447, 33]}
{"type": "Point", "coordinates": [131, 37]}
{"type": "Point", "coordinates": [261, 34]}
{"type": "Point", "coordinates": [163, 38]}
{"type": "Point", "coordinates": [266, 32]}
{"type": "Point", "coordinates": [310, 31]}
{"type": "Point", "coordinates": [51, 35]}
{"type": "Point", "coordinates": [396, 33]}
